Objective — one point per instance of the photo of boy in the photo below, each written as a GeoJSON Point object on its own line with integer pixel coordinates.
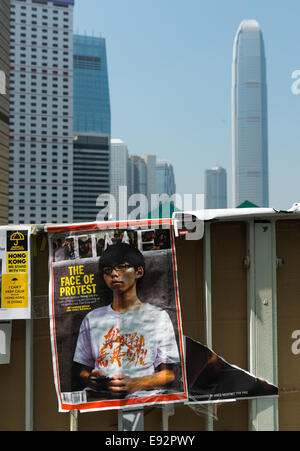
{"type": "Point", "coordinates": [128, 347]}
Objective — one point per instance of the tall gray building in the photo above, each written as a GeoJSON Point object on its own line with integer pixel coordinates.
{"type": "Point", "coordinates": [142, 175]}
{"type": "Point", "coordinates": [4, 107]}
{"type": "Point", "coordinates": [215, 188]}
{"type": "Point", "coordinates": [249, 117]}
{"type": "Point", "coordinates": [41, 111]}
{"type": "Point", "coordinates": [165, 178]}
{"type": "Point", "coordinates": [150, 161]}
{"type": "Point", "coordinates": [91, 174]}
{"type": "Point", "coordinates": [142, 179]}
{"type": "Point", "coordinates": [119, 177]}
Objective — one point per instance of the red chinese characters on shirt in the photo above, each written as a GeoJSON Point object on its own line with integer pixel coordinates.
{"type": "Point", "coordinates": [122, 349]}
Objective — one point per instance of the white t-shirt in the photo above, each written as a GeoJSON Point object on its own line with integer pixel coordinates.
{"type": "Point", "coordinates": [59, 254]}
{"type": "Point", "coordinates": [133, 344]}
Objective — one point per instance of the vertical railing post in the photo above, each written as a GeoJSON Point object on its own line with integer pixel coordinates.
{"type": "Point", "coordinates": [167, 411]}
{"type": "Point", "coordinates": [208, 307]}
{"type": "Point", "coordinates": [29, 375]}
{"type": "Point", "coordinates": [262, 320]}
{"type": "Point", "coordinates": [74, 420]}
{"type": "Point", "coordinates": [131, 419]}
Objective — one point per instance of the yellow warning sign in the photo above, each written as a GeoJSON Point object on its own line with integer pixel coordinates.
{"type": "Point", "coordinates": [14, 292]}
{"type": "Point", "coordinates": [17, 262]}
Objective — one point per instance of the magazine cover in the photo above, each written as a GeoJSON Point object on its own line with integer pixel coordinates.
{"type": "Point", "coordinates": [211, 379]}
{"type": "Point", "coordinates": [115, 315]}
{"type": "Point", "coordinates": [15, 272]}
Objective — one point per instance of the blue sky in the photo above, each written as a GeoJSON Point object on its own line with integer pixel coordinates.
{"type": "Point", "coordinates": [170, 82]}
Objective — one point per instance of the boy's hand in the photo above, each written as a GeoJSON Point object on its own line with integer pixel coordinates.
{"type": "Point", "coordinates": [94, 379]}
{"type": "Point", "coordinates": [122, 385]}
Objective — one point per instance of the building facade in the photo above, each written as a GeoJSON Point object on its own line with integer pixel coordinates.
{"type": "Point", "coordinates": [91, 174]}
{"type": "Point", "coordinates": [91, 87]}
{"type": "Point", "coordinates": [165, 178]}
{"type": "Point", "coordinates": [142, 175]}
{"type": "Point", "coordinates": [119, 177]}
{"type": "Point", "coordinates": [41, 111]}
{"type": "Point", "coordinates": [141, 181]}
{"type": "Point", "coordinates": [137, 175]}
{"type": "Point", "coordinates": [215, 188]}
{"type": "Point", "coordinates": [4, 107]}
{"type": "Point", "coordinates": [150, 161]}
{"type": "Point", "coordinates": [249, 117]}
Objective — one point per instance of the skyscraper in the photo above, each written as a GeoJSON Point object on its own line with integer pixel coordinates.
{"type": "Point", "coordinates": [137, 175]}
{"type": "Point", "coordinates": [142, 175]}
{"type": "Point", "coordinates": [142, 180]}
{"type": "Point", "coordinates": [249, 117]}
{"type": "Point", "coordinates": [165, 178]}
{"type": "Point", "coordinates": [119, 177]}
{"type": "Point", "coordinates": [150, 161]}
{"type": "Point", "coordinates": [4, 108]}
{"type": "Point", "coordinates": [41, 111]}
{"type": "Point", "coordinates": [215, 189]}
{"type": "Point", "coordinates": [91, 88]}
{"type": "Point", "coordinates": [91, 174]}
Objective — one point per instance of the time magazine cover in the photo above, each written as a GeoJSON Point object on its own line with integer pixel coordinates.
{"type": "Point", "coordinates": [115, 315]}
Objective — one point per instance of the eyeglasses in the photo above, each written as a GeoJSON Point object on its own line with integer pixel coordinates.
{"type": "Point", "coordinates": [119, 268]}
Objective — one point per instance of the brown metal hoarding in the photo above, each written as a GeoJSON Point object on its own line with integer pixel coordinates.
{"type": "Point", "coordinates": [288, 296]}
{"type": "Point", "coordinates": [229, 326]}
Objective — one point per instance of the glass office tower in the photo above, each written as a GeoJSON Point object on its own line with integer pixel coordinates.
{"type": "Point", "coordinates": [91, 174]}
{"type": "Point", "coordinates": [165, 178]}
{"type": "Point", "coordinates": [91, 87]}
{"type": "Point", "coordinates": [215, 188]}
{"type": "Point", "coordinates": [119, 165]}
{"type": "Point", "coordinates": [249, 117]}
{"type": "Point", "coordinates": [137, 175]}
